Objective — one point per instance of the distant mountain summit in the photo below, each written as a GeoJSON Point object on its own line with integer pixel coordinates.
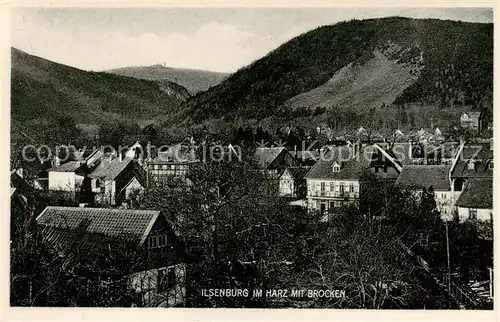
{"type": "Point", "coordinates": [194, 80]}
{"type": "Point", "coordinates": [360, 65]}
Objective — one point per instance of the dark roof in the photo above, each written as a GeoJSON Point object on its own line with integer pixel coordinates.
{"type": "Point", "coordinates": [18, 182]}
{"type": "Point", "coordinates": [306, 155]}
{"type": "Point", "coordinates": [481, 154]}
{"type": "Point", "coordinates": [110, 169]}
{"type": "Point", "coordinates": [422, 176]}
{"type": "Point", "coordinates": [298, 173]}
{"type": "Point", "coordinates": [135, 224]}
{"type": "Point", "coordinates": [351, 166]}
{"type": "Point", "coordinates": [71, 166]}
{"type": "Point", "coordinates": [477, 193]}
{"type": "Point", "coordinates": [265, 156]}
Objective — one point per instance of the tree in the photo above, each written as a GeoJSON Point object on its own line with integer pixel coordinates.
{"type": "Point", "coordinates": [86, 194]}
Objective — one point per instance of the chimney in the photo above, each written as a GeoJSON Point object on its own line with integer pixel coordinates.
{"type": "Point", "coordinates": [410, 150]}
{"type": "Point", "coordinates": [56, 161]}
{"type": "Point", "coordinates": [120, 157]}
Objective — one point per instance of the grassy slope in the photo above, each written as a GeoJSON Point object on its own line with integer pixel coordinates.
{"type": "Point", "coordinates": [379, 80]}
{"type": "Point", "coordinates": [193, 80]}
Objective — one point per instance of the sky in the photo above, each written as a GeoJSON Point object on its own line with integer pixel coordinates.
{"type": "Point", "coordinates": [215, 39]}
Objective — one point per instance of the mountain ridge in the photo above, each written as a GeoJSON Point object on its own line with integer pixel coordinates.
{"type": "Point", "coordinates": [194, 80]}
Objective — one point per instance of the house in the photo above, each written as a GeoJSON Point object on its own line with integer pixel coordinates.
{"type": "Point", "coordinates": [471, 120]}
{"type": "Point", "coordinates": [135, 152]}
{"type": "Point", "coordinates": [113, 176]}
{"type": "Point", "coordinates": [173, 163]}
{"type": "Point", "coordinates": [476, 200]}
{"type": "Point", "coordinates": [418, 177]}
{"type": "Point", "coordinates": [292, 182]}
{"type": "Point", "coordinates": [276, 163]}
{"type": "Point", "coordinates": [441, 154]}
{"type": "Point", "coordinates": [335, 179]}
{"type": "Point", "coordinates": [472, 161]}
{"type": "Point", "coordinates": [156, 274]}
{"type": "Point", "coordinates": [67, 176]}
{"type": "Point", "coordinates": [132, 189]}
{"type": "Point", "coordinates": [273, 160]}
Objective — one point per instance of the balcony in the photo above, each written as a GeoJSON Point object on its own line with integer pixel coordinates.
{"type": "Point", "coordinates": [333, 194]}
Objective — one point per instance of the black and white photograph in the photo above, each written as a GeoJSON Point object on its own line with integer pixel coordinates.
{"type": "Point", "coordinates": [251, 157]}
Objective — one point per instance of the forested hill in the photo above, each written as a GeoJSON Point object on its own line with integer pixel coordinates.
{"type": "Point", "coordinates": [48, 98]}
{"type": "Point", "coordinates": [359, 64]}
{"type": "Point", "coordinates": [44, 88]}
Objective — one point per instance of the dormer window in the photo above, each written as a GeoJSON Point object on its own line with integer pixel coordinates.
{"type": "Point", "coordinates": [336, 167]}
{"type": "Point", "coordinates": [490, 164]}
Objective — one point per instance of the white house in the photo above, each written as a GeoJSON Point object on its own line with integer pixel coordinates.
{"type": "Point", "coordinates": [419, 177]}
{"type": "Point", "coordinates": [334, 180]}
{"type": "Point", "coordinates": [286, 184]}
{"type": "Point", "coordinates": [476, 200]}
{"type": "Point", "coordinates": [471, 120]}
{"type": "Point", "coordinates": [67, 176]}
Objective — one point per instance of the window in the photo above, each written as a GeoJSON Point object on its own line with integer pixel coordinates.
{"type": "Point", "coordinates": [341, 187]}
{"type": "Point", "coordinates": [376, 169]}
{"type": "Point", "coordinates": [351, 187]}
{"type": "Point", "coordinates": [97, 183]}
{"type": "Point", "coordinates": [472, 213]}
{"type": "Point", "coordinates": [332, 186]}
{"type": "Point", "coordinates": [490, 165]}
{"type": "Point", "coordinates": [332, 204]}
{"type": "Point", "coordinates": [322, 186]}
{"type": "Point", "coordinates": [157, 241]}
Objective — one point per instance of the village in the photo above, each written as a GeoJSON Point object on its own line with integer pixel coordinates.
{"type": "Point", "coordinates": [97, 191]}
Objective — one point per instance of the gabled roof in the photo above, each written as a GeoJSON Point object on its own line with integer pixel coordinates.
{"type": "Point", "coordinates": [130, 182]}
{"type": "Point", "coordinates": [71, 166]}
{"type": "Point", "coordinates": [93, 157]}
{"type": "Point", "coordinates": [65, 221]}
{"type": "Point", "coordinates": [352, 166]}
{"type": "Point", "coordinates": [421, 176]}
{"type": "Point", "coordinates": [110, 169]}
{"type": "Point", "coordinates": [298, 173]}
{"type": "Point", "coordinates": [265, 156]}
{"type": "Point", "coordinates": [477, 193]}
{"type": "Point", "coordinates": [481, 153]}
{"type": "Point", "coordinates": [388, 156]}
